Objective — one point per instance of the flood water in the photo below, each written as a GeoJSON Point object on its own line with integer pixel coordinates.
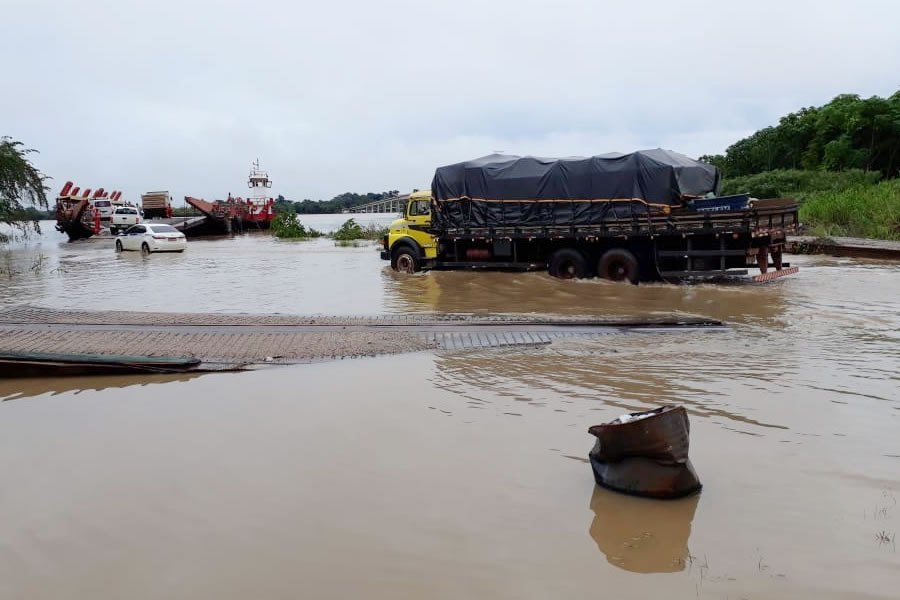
{"type": "Point", "coordinates": [455, 474]}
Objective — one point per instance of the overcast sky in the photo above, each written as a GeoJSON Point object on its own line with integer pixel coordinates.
{"type": "Point", "coordinates": [354, 95]}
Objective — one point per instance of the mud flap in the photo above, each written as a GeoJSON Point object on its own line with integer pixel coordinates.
{"type": "Point", "coordinates": [769, 276]}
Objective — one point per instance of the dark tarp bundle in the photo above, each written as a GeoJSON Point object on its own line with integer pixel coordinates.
{"type": "Point", "coordinates": [500, 190]}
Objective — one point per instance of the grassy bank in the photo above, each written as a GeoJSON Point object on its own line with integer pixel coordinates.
{"type": "Point", "coordinates": [850, 203]}
{"type": "Point", "coordinates": [795, 183]}
{"type": "Point", "coordinates": [871, 211]}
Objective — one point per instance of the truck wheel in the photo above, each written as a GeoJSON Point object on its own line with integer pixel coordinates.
{"type": "Point", "coordinates": [618, 264]}
{"type": "Point", "coordinates": [568, 263]}
{"type": "Point", "coordinates": [404, 260]}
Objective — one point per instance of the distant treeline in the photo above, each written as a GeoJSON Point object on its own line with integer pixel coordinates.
{"type": "Point", "coordinates": [847, 133]}
{"type": "Point", "coordinates": [335, 205]}
{"type": "Point", "coordinates": [30, 213]}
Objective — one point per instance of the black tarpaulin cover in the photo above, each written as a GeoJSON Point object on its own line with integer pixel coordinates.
{"type": "Point", "coordinates": [502, 190]}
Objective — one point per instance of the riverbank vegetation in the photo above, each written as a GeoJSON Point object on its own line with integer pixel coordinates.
{"type": "Point", "coordinates": [21, 188]}
{"type": "Point", "coordinates": [841, 161]}
{"type": "Point", "coordinates": [852, 203]}
{"type": "Point", "coordinates": [847, 133]}
{"type": "Point", "coordinates": [795, 183]}
{"type": "Point", "coordinates": [352, 231]}
{"type": "Point", "coordinates": [287, 225]}
{"type": "Point", "coordinates": [871, 211]}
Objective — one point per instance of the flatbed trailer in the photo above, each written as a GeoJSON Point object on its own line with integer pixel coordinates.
{"type": "Point", "coordinates": [683, 244]}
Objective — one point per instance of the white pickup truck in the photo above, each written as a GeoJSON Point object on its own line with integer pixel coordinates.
{"type": "Point", "coordinates": [123, 217]}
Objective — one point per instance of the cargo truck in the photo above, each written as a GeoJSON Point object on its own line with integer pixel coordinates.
{"type": "Point", "coordinates": [156, 205]}
{"type": "Point", "coordinates": [645, 216]}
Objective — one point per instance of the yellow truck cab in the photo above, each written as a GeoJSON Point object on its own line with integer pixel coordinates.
{"type": "Point", "coordinates": [409, 245]}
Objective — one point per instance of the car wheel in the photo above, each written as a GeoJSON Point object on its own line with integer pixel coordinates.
{"type": "Point", "coordinates": [145, 249]}
{"type": "Point", "coordinates": [568, 263]}
{"type": "Point", "coordinates": [618, 264]}
{"type": "Point", "coordinates": [118, 245]}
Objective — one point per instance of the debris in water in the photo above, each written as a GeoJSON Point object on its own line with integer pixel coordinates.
{"type": "Point", "coordinates": [645, 454]}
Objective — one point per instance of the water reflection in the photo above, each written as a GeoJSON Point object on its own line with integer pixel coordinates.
{"type": "Point", "coordinates": [16, 389]}
{"type": "Point", "coordinates": [642, 535]}
{"type": "Point", "coordinates": [496, 292]}
{"type": "Point", "coordinates": [626, 372]}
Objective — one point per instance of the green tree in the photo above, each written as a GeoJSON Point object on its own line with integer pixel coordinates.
{"type": "Point", "coordinates": [847, 133]}
{"type": "Point", "coordinates": [21, 187]}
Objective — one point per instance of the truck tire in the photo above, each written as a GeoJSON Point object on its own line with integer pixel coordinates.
{"type": "Point", "coordinates": [568, 263]}
{"type": "Point", "coordinates": [403, 259]}
{"type": "Point", "coordinates": [618, 264]}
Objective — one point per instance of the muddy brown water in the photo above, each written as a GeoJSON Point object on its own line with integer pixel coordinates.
{"type": "Point", "coordinates": [456, 474]}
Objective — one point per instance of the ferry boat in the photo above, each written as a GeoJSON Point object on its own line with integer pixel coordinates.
{"type": "Point", "coordinates": [80, 213]}
{"type": "Point", "coordinates": [236, 214]}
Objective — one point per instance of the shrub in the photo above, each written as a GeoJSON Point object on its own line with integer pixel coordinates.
{"type": "Point", "coordinates": [351, 230]}
{"type": "Point", "coordinates": [794, 183]}
{"type": "Point", "coordinates": [288, 226]}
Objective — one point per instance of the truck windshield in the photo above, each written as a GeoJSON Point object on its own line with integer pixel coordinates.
{"type": "Point", "coordinates": [419, 208]}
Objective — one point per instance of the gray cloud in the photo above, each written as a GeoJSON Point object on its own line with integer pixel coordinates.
{"type": "Point", "coordinates": [367, 96]}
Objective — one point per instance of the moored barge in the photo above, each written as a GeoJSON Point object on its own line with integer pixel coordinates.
{"type": "Point", "coordinates": [236, 214]}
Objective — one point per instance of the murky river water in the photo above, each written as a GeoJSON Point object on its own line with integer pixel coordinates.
{"type": "Point", "coordinates": [457, 474]}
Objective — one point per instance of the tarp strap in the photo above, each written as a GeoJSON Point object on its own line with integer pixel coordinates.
{"type": "Point", "coordinates": [558, 200]}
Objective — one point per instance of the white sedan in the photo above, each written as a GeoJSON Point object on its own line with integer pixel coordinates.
{"type": "Point", "coordinates": [148, 237]}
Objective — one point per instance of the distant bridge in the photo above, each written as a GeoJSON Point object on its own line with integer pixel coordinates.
{"type": "Point", "coordinates": [394, 204]}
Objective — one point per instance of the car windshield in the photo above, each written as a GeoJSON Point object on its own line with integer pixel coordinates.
{"type": "Point", "coordinates": [126, 211]}
{"type": "Point", "coordinates": [163, 229]}
{"type": "Point", "coordinates": [101, 203]}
